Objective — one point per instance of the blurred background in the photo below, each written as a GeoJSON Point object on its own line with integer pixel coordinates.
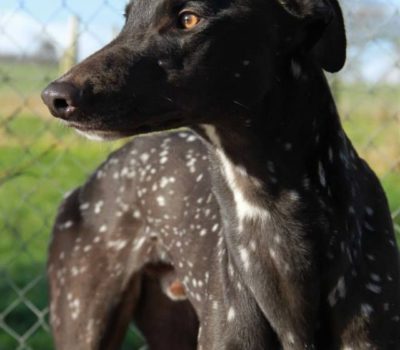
{"type": "Point", "coordinates": [40, 160]}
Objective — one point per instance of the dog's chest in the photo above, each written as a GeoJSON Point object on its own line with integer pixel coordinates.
{"type": "Point", "coordinates": [242, 190]}
{"type": "Point", "coordinates": [259, 227]}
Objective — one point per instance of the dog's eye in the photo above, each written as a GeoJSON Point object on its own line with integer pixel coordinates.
{"type": "Point", "coordinates": [188, 20]}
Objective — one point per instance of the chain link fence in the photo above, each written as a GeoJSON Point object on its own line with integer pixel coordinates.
{"type": "Point", "coordinates": [40, 160]}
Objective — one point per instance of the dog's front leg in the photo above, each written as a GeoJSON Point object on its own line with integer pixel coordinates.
{"type": "Point", "coordinates": [279, 269]}
{"type": "Point", "coordinates": [230, 318]}
{"type": "Point", "coordinates": [92, 296]}
{"type": "Point", "coordinates": [96, 289]}
{"type": "Point", "coordinates": [272, 248]}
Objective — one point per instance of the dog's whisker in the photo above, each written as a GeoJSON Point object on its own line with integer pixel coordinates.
{"type": "Point", "coordinates": [169, 99]}
{"type": "Point", "coordinates": [242, 105]}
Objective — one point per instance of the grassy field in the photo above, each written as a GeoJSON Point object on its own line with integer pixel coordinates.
{"type": "Point", "coordinates": [40, 160]}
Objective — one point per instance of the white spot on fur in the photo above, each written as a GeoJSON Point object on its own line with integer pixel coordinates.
{"type": "Point", "coordinates": [87, 248]}
{"type": "Point", "coordinates": [75, 306]}
{"type": "Point", "coordinates": [161, 201]}
{"type": "Point", "coordinates": [139, 243]}
{"type": "Point", "coordinates": [322, 177]}
{"type": "Point", "coordinates": [374, 288]}
{"type": "Point", "coordinates": [98, 206]}
{"type": "Point", "coordinates": [369, 211]}
{"type": "Point", "coordinates": [341, 287]}
{"type": "Point", "coordinates": [290, 338]}
{"type": "Point", "coordinates": [231, 314]}
{"type": "Point", "coordinates": [117, 244]}
{"type": "Point", "coordinates": [144, 157]}
{"type": "Point", "coordinates": [339, 291]}
{"type": "Point", "coordinates": [375, 277]}
{"type": "Point", "coordinates": [330, 154]}
{"type": "Point", "coordinates": [66, 225]}
{"type": "Point", "coordinates": [84, 206]}
{"type": "Point", "coordinates": [244, 256]}
{"type": "Point", "coordinates": [306, 183]}
{"type": "Point", "coordinates": [366, 310]}
{"type": "Point", "coordinates": [296, 69]}
{"type": "Point", "coordinates": [294, 196]}
{"type": "Point", "coordinates": [199, 178]}
{"type": "Point", "coordinates": [215, 305]}
{"type": "Point", "coordinates": [288, 146]}
{"type": "Point", "coordinates": [272, 252]}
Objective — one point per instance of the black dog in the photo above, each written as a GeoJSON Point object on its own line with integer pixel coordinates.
{"type": "Point", "coordinates": [308, 255]}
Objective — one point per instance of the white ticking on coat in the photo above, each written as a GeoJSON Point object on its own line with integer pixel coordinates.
{"type": "Point", "coordinates": [231, 314]}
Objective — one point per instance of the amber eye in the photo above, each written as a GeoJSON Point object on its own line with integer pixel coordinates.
{"type": "Point", "coordinates": [188, 20]}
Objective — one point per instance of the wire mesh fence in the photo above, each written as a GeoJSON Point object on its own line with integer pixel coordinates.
{"type": "Point", "coordinates": [40, 160]}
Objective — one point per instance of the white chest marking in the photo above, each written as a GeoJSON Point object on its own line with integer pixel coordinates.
{"type": "Point", "coordinates": [245, 209]}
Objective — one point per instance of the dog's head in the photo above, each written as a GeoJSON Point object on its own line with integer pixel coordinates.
{"type": "Point", "coordinates": [182, 62]}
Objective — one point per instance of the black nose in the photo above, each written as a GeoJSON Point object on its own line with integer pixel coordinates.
{"type": "Point", "coordinates": [62, 99]}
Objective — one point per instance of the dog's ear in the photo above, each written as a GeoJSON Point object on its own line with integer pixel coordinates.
{"type": "Point", "coordinates": [327, 35]}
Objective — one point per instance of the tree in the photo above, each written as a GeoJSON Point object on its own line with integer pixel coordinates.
{"type": "Point", "coordinates": [46, 51]}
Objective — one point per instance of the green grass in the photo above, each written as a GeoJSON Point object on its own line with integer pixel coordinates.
{"type": "Point", "coordinates": [40, 160]}
{"type": "Point", "coordinates": [38, 166]}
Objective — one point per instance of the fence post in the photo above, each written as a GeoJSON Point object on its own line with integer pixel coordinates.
{"type": "Point", "coordinates": [70, 55]}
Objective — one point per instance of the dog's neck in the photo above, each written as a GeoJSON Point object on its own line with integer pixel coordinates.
{"type": "Point", "coordinates": [286, 146]}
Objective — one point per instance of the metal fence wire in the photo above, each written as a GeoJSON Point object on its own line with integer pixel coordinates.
{"type": "Point", "coordinates": [40, 160]}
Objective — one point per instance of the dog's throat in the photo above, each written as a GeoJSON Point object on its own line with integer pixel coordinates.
{"type": "Point", "coordinates": [246, 191]}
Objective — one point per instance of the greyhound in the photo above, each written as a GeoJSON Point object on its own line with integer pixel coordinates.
{"type": "Point", "coordinates": [308, 258]}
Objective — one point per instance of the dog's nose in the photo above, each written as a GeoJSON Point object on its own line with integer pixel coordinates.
{"type": "Point", "coordinates": [62, 99]}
